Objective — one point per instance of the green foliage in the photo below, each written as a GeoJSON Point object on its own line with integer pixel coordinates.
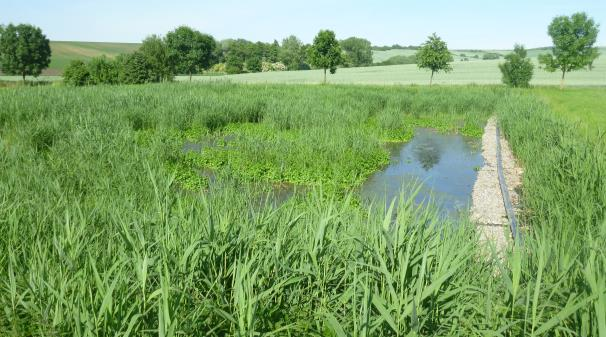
{"type": "Point", "coordinates": [76, 74]}
{"type": "Point", "coordinates": [398, 59]}
{"type": "Point", "coordinates": [563, 201]}
{"type": "Point", "coordinates": [236, 54]}
{"type": "Point", "coordinates": [517, 69]}
{"type": "Point", "coordinates": [135, 69]}
{"type": "Point", "coordinates": [491, 56]}
{"type": "Point", "coordinates": [24, 50]}
{"type": "Point", "coordinates": [573, 39]}
{"type": "Point", "coordinates": [103, 71]}
{"type": "Point", "coordinates": [358, 50]}
{"type": "Point", "coordinates": [325, 53]}
{"type": "Point", "coordinates": [253, 64]}
{"type": "Point", "coordinates": [189, 51]}
{"type": "Point", "coordinates": [292, 53]}
{"type": "Point", "coordinates": [101, 239]}
{"type": "Point", "coordinates": [156, 51]}
{"type": "Point", "coordinates": [434, 55]}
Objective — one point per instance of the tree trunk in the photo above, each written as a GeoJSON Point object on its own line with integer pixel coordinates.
{"type": "Point", "coordinates": [324, 75]}
{"type": "Point", "coordinates": [23, 74]}
{"type": "Point", "coordinates": [562, 80]}
{"type": "Point", "coordinates": [431, 78]}
{"type": "Point", "coordinates": [190, 76]}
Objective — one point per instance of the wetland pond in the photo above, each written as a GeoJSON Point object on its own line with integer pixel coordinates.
{"type": "Point", "coordinates": [443, 167]}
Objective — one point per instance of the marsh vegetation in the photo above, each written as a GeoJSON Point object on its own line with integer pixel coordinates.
{"type": "Point", "coordinates": [107, 228]}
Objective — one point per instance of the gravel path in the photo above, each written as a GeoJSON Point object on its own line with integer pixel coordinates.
{"type": "Point", "coordinates": [487, 209]}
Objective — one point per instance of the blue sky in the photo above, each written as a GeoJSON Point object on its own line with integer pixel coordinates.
{"type": "Point", "coordinates": [463, 24]}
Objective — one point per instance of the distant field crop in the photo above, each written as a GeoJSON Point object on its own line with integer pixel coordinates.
{"type": "Point", "coordinates": [474, 71]}
{"type": "Point", "coordinates": [65, 51]}
{"type": "Point", "coordinates": [466, 72]}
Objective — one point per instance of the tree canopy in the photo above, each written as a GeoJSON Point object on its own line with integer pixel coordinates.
{"type": "Point", "coordinates": [292, 53]}
{"type": "Point", "coordinates": [24, 50]}
{"type": "Point", "coordinates": [358, 50]}
{"type": "Point", "coordinates": [435, 56]}
{"type": "Point", "coordinates": [189, 51]}
{"type": "Point", "coordinates": [517, 69]}
{"type": "Point", "coordinates": [155, 50]}
{"type": "Point", "coordinates": [573, 39]}
{"type": "Point", "coordinates": [325, 52]}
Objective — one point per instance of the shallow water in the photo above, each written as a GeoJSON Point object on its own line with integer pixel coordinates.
{"type": "Point", "coordinates": [444, 165]}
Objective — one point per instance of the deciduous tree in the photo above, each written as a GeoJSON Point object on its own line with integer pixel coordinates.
{"type": "Point", "coordinates": [435, 56]}
{"type": "Point", "coordinates": [292, 53]}
{"type": "Point", "coordinates": [573, 39]}
{"type": "Point", "coordinates": [517, 69]}
{"type": "Point", "coordinates": [24, 50]}
{"type": "Point", "coordinates": [156, 51]}
{"type": "Point", "coordinates": [358, 50]}
{"type": "Point", "coordinates": [325, 52]}
{"type": "Point", "coordinates": [189, 51]}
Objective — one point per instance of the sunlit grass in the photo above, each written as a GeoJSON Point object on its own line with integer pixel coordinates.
{"type": "Point", "coordinates": [99, 237]}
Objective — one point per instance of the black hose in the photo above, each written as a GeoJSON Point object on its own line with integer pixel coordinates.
{"type": "Point", "coordinates": [513, 223]}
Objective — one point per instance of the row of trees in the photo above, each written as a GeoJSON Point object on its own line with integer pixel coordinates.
{"type": "Point", "coordinates": [573, 49]}
{"type": "Point", "coordinates": [187, 51]}
{"type": "Point", "coordinates": [25, 50]}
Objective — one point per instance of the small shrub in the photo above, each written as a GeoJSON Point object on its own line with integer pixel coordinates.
{"type": "Point", "coordinates": [491, 56]}
{"type": "Point", "coordinates": [276, 66]}
{"type": "Point", "coordinates": [217, 68]}
{"type": "Point", "coordinates": [233, 69]}
{"type": "Point", "coordinates": [76, 74]}
{"type": "Point", "coordinates": [398, 59]}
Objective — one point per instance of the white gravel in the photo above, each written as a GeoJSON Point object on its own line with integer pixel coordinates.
{"type": "Point", "coordinates": [488, 210]}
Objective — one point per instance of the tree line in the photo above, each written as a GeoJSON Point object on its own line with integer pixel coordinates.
{"type": "Point", "coordinates": [25, 51]}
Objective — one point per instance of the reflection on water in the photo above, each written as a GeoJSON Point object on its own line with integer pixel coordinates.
{"type": "Point", "coordinates": [444, 165]}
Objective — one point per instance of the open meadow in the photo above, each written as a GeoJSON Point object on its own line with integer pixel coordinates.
{"type": "Point", "coordinates": [112, 226]}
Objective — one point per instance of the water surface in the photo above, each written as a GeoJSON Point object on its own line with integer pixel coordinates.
{"type": "Point", "coordinates": [445, 166]}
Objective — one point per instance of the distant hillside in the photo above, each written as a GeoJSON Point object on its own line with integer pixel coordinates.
{"type": "Point", "coordinates": [65, 51]}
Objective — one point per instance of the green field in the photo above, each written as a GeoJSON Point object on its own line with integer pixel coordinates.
{"type": "Point", "coordinates": [65, 51]}
{"type": "Point", "coordinates": [585, 107]}
{"type": "Point", "coordinates": [474, 71]}
{"type": "Point", "coordinates": [470, 72]}
{"type": "Point", "coordinates": [109, 227]}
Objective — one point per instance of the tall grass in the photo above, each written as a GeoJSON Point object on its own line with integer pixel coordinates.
{"type": "Point", "coordinates": [99, 237]}
{"type": "Point", "coordinates": [564, 198]}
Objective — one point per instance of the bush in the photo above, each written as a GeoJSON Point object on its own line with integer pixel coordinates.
{"type": "Point", "coordinates": [76, 74]}
{"type": "Point", "coordinates": [234, 64]}
{"type": "Point", "coordinates": [276, 66]}
{"type": "Point", "coordinates": [103, 71]}
{"type": "Point", "coordinates": [135, 69]}
{"type": "Point", "coordinates": [517, 69]}
{"type": "Point", "coordinates": [398, 59]}
{"type": "Point", "coordinates": [253, 64]}
{"type": "Point", "coordinates": [217, 68]}
{"type": "Point", "coordinates": [491, 56]}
